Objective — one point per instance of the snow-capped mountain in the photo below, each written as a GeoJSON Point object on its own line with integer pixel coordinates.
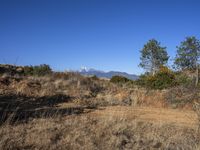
{"type": "Point", "coordinates": [102, 74]}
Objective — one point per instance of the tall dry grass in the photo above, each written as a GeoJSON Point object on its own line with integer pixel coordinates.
{"type": "Point", "coordinates": [84, 132]}
{"type": "Point", "coordinates": [36, 122]}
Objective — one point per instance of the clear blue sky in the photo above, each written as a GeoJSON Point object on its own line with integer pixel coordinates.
{"type": "Point", "coordinates": [102, 34]}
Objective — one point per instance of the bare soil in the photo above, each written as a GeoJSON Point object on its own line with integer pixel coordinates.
{"type": "Point", "coordinates": [176, 117]}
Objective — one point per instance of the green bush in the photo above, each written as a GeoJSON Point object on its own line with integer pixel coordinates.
{"type": "Point", "coordinates": [163, 79]}
{"type": "Point", "coordinates": [119, 79]}
{"type": "Point", "coordinates": [142, 81]}
{"type": "Point", "coordinates": [28, 70]}
{"type": "Point", "coordinates": [40, 70]}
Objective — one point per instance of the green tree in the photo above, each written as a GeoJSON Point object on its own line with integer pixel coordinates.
{"type": "Point", "coordinates": [153, 55]}
{"type": "Point", "coordinates": [188, 54]}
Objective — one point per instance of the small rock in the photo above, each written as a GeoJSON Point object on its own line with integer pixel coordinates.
{"type": "Point", "coordinates": [157, 145]}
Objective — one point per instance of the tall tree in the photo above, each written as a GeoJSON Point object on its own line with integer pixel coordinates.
{"type": "Point", "coordinates": [153, 55]}
{"type": "Point", "coordinates": [188, 55]}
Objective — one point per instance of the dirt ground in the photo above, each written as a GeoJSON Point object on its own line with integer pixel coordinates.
{"type": "Point", "coordinates": [154, 115]}
{"type": "Point", "coordinates": [162, 116]}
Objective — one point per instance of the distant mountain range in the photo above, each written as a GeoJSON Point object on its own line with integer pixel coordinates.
{"type": "Point", "coordinates": [102, 74]}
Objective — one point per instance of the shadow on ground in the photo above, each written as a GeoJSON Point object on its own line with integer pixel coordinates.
{"type": "Point", "coordinates": [19, 108]}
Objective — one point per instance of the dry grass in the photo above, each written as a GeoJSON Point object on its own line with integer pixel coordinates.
{"type": "Point", "coordinates": [62, 111]}
{"type": "Point", "coordinates": [197, 109]}
{"type": "Point", "coordinates": [181, 118]}
{"type": "Point", "coordinates": [84, 132]}
{"type": "Point", "coordinates": [86, 91]}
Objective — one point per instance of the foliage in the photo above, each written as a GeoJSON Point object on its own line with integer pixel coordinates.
{"type": "Point", "coordinates": [164, 78]}
{"type": "Point", "coordinates": [188, 53]}
{"type": "Point", "coordinates": [153, 56]}
{"type": "Point", "coordinates": [119, 79]}
{"type": "Point", "coordinates": [40, 70]}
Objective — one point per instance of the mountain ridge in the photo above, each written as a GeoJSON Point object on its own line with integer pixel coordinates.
{"type": "Point", "coordinates": [102, 74]}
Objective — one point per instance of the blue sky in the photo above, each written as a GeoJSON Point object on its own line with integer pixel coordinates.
{"type": "Point", "coordinates": [102, 34]}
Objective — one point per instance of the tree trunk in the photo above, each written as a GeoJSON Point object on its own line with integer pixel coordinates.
{"type": "Point", "coordinates": [153, 70]}
{"type": "Point", "coordinates": [197, 74]}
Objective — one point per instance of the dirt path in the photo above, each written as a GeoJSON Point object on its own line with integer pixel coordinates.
{"type": "Point", "coordinates": [155, 115]}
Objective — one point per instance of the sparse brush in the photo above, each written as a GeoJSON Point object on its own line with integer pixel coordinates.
{"type": "Point", "coordinates": [57, 111]}
{"type": "Point", "coordinates": [196, 107]}
{"type": "Point", "coordinates": [180, 96]}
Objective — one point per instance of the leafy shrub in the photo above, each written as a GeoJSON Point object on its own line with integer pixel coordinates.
{"type": "Point", "coordinates": [164, 78]}
{"type": "Point", "coordinates": [119, 79]}
{"type": "Point", "coordinates": [28, 70]}
{"type": "Point", "coordinates": [142, 81]}
{"type": "Point", "coordinates": [40, 70]}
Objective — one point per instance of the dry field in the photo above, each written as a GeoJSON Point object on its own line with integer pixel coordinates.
{"type": "Point", "coordinates": [174, 117]}
{"type": "Point", "coordinates": [74, 112]}
{"type": "Point", "coordinates": [117, 127]}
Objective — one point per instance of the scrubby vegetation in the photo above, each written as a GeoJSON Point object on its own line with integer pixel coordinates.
{"type": "Point", "coordinates": [58, 110]}
{"type": "Point", "coordinates": [164, 78]}
{"type": "Point", "coordinates": [40, 70]}
{"type": "Point", "coordinates": [119, 80]}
